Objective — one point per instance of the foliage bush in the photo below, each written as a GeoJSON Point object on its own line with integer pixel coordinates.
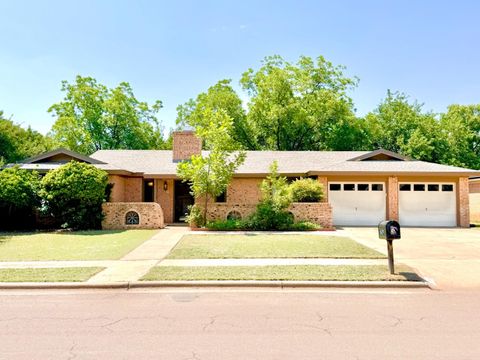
{"type": "Point", "coordinates": [18, 198]}
{"type": "Point", "coordinates": [306, 190]}
{"type": "Point", "coordinates": [226, 225]}
{"type": "Point", "coordinates": [195, 216]}
{"type": "Point", "coordinates": [73, 195]}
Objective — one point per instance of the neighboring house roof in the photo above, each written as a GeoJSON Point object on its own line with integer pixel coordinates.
{"type": "Point", "coordinates": [257, 163]}
{"type": "Point", "coordinates": [50, 156]}
{"type": "Point", "coordinates": [53, 159]}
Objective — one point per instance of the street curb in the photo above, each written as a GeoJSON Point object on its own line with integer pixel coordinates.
{"type": "Point", "coordinates": [222, 284]}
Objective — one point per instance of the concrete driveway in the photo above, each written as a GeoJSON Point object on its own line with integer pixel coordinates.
{"type": "Point", "coordinates": [450, 257]}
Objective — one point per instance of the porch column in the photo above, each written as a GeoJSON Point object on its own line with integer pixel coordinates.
{"type": "Point", "coordinates": [392, 198]}
{"type": "Point", "coordinates": [463, 210]}
{"type": "Point", "coordinates": [323, 180]}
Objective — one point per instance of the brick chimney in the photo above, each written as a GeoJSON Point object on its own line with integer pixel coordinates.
{"type": "Point", "coordinates": [185, 144]}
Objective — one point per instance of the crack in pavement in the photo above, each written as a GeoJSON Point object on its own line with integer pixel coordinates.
{"type": "Point", "coordinates": [72, 355]}
{"type": "Point", "coordinates": [210, 323]}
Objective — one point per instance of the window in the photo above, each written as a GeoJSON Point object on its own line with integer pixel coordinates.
{"type": "Point", "coordinates": [405, 187]}
{"type": "Point", "coordinates": [221, 198]}
{"type": "Point", "coordinates": [419, 187]}
{"type": "Point", "coordinates": [363, 187]}
{"type": "Point", "coordinates": [433, 187]}
{"type": "Point", "coordinates": [335, 187]}
{"type": "Point", "coordinates": [348, 187]}
{"type": "Point", "coordinates": [132, 218]}
{"type": "Point", "coordinates": [148, 190]}
{"type": "Point", "coordinates": [447, 187]}
{"type": "Point", "coordinates": [377, 187]}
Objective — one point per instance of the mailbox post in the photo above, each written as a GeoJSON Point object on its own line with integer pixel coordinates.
{"type": "Point", "coordinates": [389, 230]}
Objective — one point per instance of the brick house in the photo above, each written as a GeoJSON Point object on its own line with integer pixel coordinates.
{"type": "Point", "coordinates": [362, 188]}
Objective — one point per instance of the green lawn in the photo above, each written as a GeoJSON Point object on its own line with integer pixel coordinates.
{"type": "Point", "coordinates": [80, 245]}
{"type": "Point", "coordinates": [290, 272]}
{"type": "Point", "coordinates": [48, 274]}
{"type": "Point", "coordinates": [269, 246]}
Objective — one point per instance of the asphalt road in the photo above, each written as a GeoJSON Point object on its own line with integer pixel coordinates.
{"type": "Point", "coordinates": [241, 324]}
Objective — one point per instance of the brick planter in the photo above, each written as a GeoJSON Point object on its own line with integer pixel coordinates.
{"type": "Point", "coordinates": [319, 213]}
{"type": "Point", "coordinates": [150, 215]}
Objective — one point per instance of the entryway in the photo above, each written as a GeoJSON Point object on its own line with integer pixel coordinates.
{"type": "Point", "coordinates": [183, 199]}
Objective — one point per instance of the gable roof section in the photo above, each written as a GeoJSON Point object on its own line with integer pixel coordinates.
{"type": "Point", "coordinates": [381, 155]}
{"type": "Point", "coordinates": [51, 155]}
{"type": "Point", "coordinates": [295, 163]}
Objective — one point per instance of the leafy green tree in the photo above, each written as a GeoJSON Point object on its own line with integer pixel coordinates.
{"type": "Point", "coordinates": [93, 117]}
{"type": "Point", "coordinates": [402, 126]}
{"type": "Point", "coordinates": [73, 194]}
{"type": "Point", "coordinates": [461, 126]}
{"type": "Point", "coordinates": [18, 189]}
{"type": "Point", "coordinates": [220, 97]}
{"type": "Point", "coordinates": [271, 212]}
{"type": "Point", "coordinates": [302, 106]}
{"type": "Point", "coordinates": [17, 143]}
{"type": "Point", "coordinates": [209, 174]}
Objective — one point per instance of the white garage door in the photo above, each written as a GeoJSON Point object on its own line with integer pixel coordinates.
{"type": "Point", "coordinates": [427, 204]}
{"type": "Point", "coordinates": [357, 203]}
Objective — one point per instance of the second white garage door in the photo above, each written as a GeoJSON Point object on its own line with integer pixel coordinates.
{"type": "Point", "coordinates": [427, 204]}
{"type": "Point", "coordinates": [357, 203]}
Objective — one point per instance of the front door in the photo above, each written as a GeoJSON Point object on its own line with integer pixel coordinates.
{"type": "Point", "coordinates": [183, 199]}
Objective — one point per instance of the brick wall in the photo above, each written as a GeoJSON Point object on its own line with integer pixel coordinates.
{"type": "Point", "coordinates": [185, 144]}
{"type": "Point", "coordinates": [133, 189]}
{"type": "Point", "coordinates": [118, 189]}
{"type": "Point", "coordinates": [244, 191]}
{"type": "Point", "coordinates": [474, 187]}
{"type": "Point", "coordinates": [463, 209]}
{"type": "Point", "coordinates": [151, 215]}
{"type": "Point", "coordinates": [318, 213]}
{"type": "Point", "coordinates": [392, 198]}
{"type": "Point", "coordinates": [165, 198]}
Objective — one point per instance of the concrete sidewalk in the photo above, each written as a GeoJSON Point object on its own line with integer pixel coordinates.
{"type": "Point", "coordinates": [140, 260]}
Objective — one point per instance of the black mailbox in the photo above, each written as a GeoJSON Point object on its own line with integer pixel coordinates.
{"type": "Point", "coordinates": [389, 230]}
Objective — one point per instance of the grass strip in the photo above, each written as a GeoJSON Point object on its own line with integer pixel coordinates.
{"type": "Point", "coordinates": [289, 272]}
{"type": "Point", "coordinates": [74, 274]}
{"type": "Point", "coordinates": [270, 246]}
{"type": "Point", "coordinates": [77, 245]}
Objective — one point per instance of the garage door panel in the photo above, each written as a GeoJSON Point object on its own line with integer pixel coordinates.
{"type": "Point", "coordinates": [357, 207]}
{"type": "Point", "coordinates": [427, 208]}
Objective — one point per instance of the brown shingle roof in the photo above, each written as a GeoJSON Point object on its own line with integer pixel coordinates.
{"type": "Point", "coordinates": [159, 162]}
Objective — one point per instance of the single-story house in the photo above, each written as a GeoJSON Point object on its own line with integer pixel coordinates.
{"type": "Point", "coordinates": [362, 188]}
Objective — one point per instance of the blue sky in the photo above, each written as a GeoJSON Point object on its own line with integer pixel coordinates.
{"type": "Point", "coordinates": [172, 50]}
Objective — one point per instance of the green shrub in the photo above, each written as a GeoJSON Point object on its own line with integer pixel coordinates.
{"type": "Point", "coordinates": [304, 226]}
{"type": "Point", "coordinates": [306, 190]}
{"type": "Point", "coordinates": [73, 194]}
{"type": "Point", "coordinates": [195, 216]}
{"type": "Point", "coordinates": [269, 217]}
{"type": "Point", "coordinates": [226, 225]}
{"type": "Point", "coordinates": [18, 198]}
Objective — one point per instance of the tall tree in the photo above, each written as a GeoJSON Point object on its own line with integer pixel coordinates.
{"type": "Point", "coordinates": [209, 174]}
{"type": "Point", "coordinates": [220, 97]}
{"type": "Point", "coordinates": [402, 126]}
{"type": "Point", "coordinates": [302, 106]}
{"type": "Point", "coordinates": [461, 125]}
{"type": "Point", "coordinates": [93, 117]}
{"type": "Point", "coordinates": [17, 143]}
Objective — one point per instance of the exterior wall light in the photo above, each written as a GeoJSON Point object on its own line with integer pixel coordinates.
{"type": "Point", "coordinates": [165, 186]}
